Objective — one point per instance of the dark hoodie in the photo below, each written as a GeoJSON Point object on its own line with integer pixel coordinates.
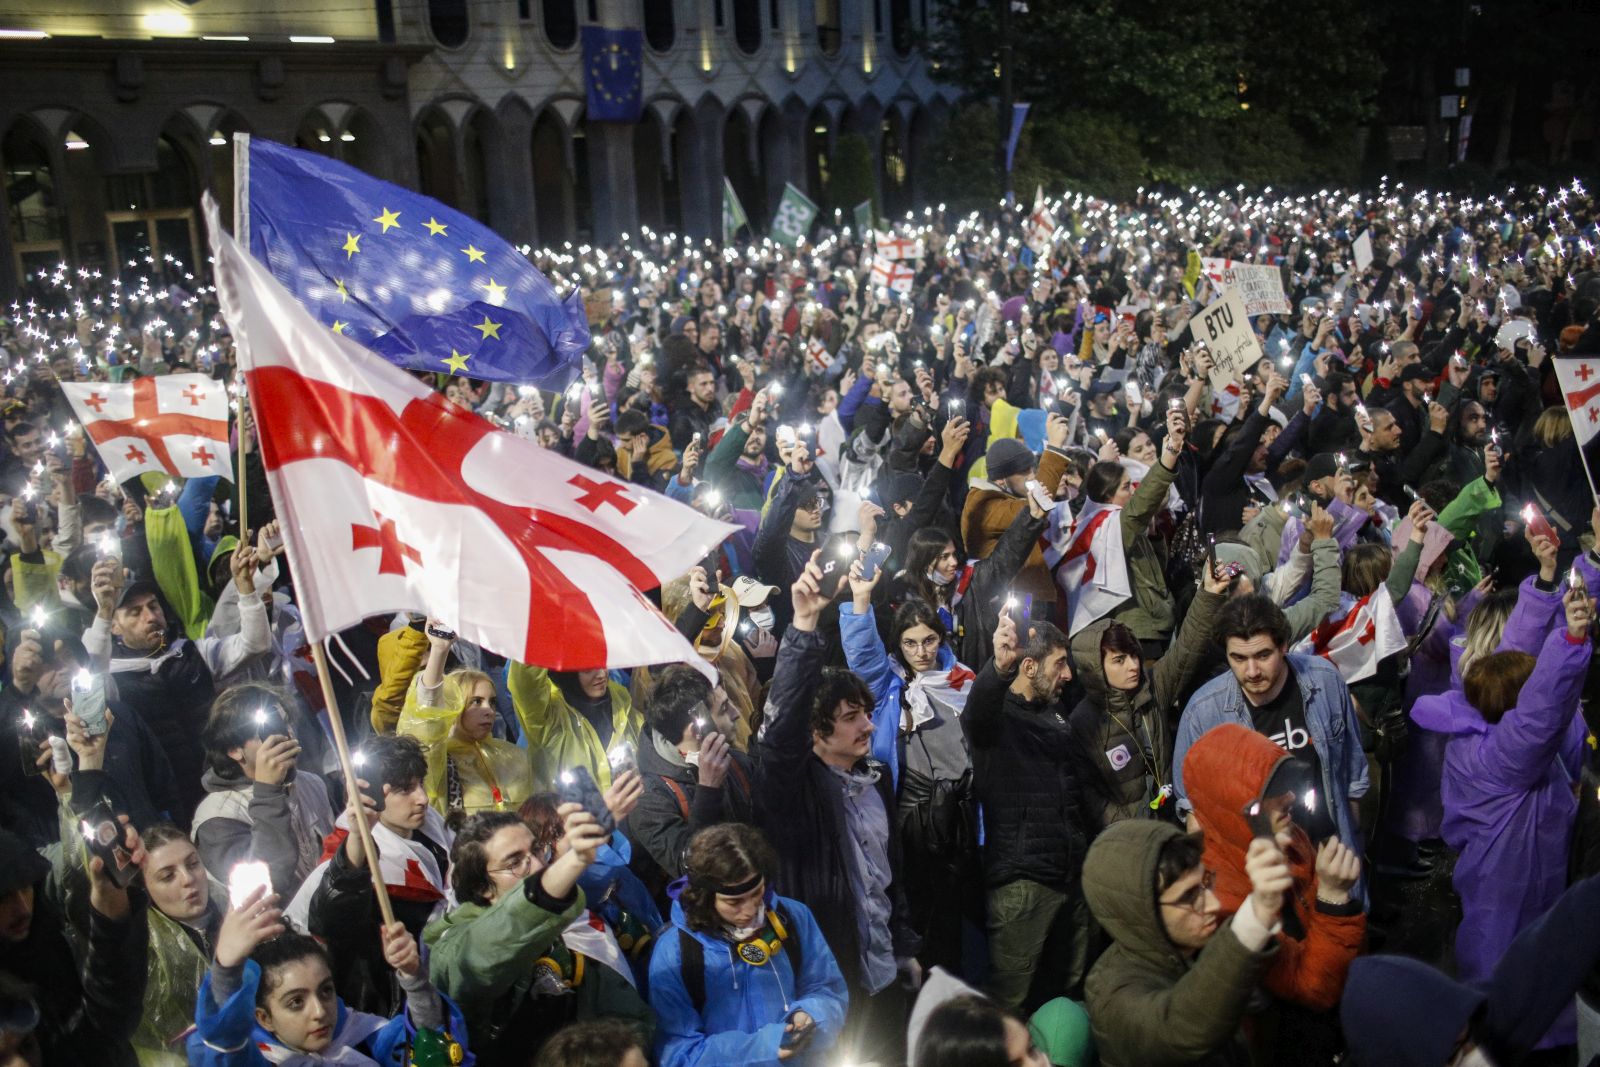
{"type": "Point", "coordinates": [1125, 750]}
{"type": "Point", "coordinates": [1149, 1003]}
{"type": "Point", "coordinates": [1402, 1013]}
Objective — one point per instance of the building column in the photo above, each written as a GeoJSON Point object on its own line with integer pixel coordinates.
{"type": "Point", "coordinates": [612, 191]}
{"type": "Point", "coordinates": [703, 171]}
{"type": "Point", "coordinates": [508, 170]}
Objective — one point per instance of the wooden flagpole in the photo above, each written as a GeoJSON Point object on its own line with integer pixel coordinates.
{"type": "Point", "coordinates": [352, 790]}
{"type": "Point", "coordinates": [241, 231]}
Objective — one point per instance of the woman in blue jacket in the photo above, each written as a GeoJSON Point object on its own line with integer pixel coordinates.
{"type": "Point", "coordinates": [919, 692]}
{"type": "Point", "coordinates": [269, 998]}
{"type": "Point", "coordinates": [744, 976]}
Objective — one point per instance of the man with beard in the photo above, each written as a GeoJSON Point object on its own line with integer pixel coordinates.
{"type": "Point", "coordinates": [1380, 445]}
{"type": "Point", "coordinates": [1452, 447]}
{"type": "Point", "coordinates": [1016, 727]}
{"type": "Point", "coordinates": [1334, 428]}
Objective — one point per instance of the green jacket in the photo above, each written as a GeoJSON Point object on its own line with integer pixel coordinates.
{"type": "Point", "coordinates": [558, 736]}
{"type": "Point", "coordinates": [1113, 723]}
{"type": "Point", "coordinates": [739, 488]}
{"type": "Point", "coordinates": [484, 958]}
{"type": "Point", "coordinates": [1472, 519]}
{"type": "Point", "coordinates": [1152, 1006]}
{"type": "Point", "coordinates": [1148, 613]}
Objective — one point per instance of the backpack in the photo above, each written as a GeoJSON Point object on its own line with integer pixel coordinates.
{"type": "Point", "coordinates": [692, 956]}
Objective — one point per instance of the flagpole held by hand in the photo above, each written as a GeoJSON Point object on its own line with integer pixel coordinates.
{"type": "Point", "coordinates": [319, 657]}
{"type": "Point", "coordinates": [244, 457]}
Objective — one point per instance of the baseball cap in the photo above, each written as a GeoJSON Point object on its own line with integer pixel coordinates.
{"type": "Point", "coordinates": [1322, 465]}
{"type": "Point", "coordinates": [751, 593]}
{"type": "Point", "coordinates": [137, 587]}
{"type": "Point", "coordinates": [1416, 372]}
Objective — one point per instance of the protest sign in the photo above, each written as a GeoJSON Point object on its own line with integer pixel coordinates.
{"type": "Point", "coordinates": [1224, 328]}
{"type": "Point", "coordinates": [1363, 250]}
{"type": "Point", "coordinates": [1260, 288]}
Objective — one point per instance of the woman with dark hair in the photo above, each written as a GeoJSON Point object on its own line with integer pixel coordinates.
{"type": "Point", "coordinates": [269, 998]}
{"type": "Point", "coordinates": [184, 918]}
{"type": "Point", "coordinates": [745, 975]}
{"type": "Point", "coordinates": [974, 1031]}
{"type": "Point", "coordinates": [1517, 743]}
{"type": "Point", "coordinates": [918, 695]}
{"type": "Point", "coordinates": [932, 567]}
{"type": "Point", "coordinates": [1123, 720]}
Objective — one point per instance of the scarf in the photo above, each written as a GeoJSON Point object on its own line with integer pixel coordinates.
{"type": "Point", "coordinates": [588, 935]}
{"type": "Point", "coordinates": [353, 1028]}
{"type": "Point", "coordinates": [947, 687]}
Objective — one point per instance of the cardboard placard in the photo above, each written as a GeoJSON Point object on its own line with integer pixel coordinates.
{"type": "Point", "coordinates": [1224, 327]}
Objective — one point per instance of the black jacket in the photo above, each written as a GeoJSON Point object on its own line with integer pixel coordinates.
{"type": "Point", "coordinates": [658, 824]}
{"type": "Point", "coordinates": [1033, 813]}
{"type": "Point", "coordinates": [174, 701]}
{"type": "Point", "coordinates": [802, 810]}
{"type": "Point", "coordinates": [689, 419]}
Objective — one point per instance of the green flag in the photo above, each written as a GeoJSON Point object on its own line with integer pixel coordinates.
{"type": "Point", "coordinates": [733, 215]}
{"type": "Point", "coordinates": [863, 217]}
{"type": "Point", "coordinates": [794, 217]}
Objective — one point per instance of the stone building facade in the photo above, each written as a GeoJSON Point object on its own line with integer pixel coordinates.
{"type": "Point", "coordinates": [114, 116]}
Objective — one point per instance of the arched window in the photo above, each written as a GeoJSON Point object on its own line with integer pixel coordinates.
{"type": "Point", "coordinates": [900, 28]}
{"type": "Point", "coordinates": [561, 22]}
{"type": "Point", "coordinates": [747, 25]}
{"type": "Point", "coordinates": [448, 20]}
{"type": "Point", "coordinates": [660, 28]}
{"type": "Point", "coordinates": [830, 32]}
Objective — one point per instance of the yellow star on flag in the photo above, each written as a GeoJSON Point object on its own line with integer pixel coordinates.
{"type": "Point", "coordinates": [489, 329]}
{"type": "Point", "coordinates": [473, 253]}
{"type": "Point", "coordinates": [338, 327]}
{"type": "Point", "coordinates": [388, 220]}
{"type": "Point", "coordinates": [457, 362]}
{"type": "Point", "coordinates": [352, 245]}
{"type": "Point", "coordinates": [344, 294]}
{"type": "Point", "coordinates": [435, 227]}
{"type": "Point", "coordinates": [497, 292]}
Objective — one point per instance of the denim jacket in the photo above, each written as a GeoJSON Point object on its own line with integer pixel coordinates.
{"type": "Point", "coordinates": [1330, 718]}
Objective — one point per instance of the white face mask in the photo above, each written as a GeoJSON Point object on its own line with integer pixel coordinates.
{"type": "Point", "coordinates": [743, 933]}
{"type": "Point", "coordinates": [937, 578]}
{"type": "Point", "coordinates": [763, 617]}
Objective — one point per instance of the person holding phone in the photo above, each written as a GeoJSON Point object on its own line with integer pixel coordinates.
{"type": "Point", "coordinates": [491, 953]}
{"type": "Point", "coordinates": [88, 1011]}
{"type": "Point", "coordinates": [743, 975]}
{"type": "Point", "coordinates": [258, 806]}
{"type": "Point", "coordinates": [920, 692]}
{"type": "Point", "coordinates": [1244, 787]}
{"type": "Point", "coordinates": [452, 716]}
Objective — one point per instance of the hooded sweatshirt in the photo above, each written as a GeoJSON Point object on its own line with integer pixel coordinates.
{"type": "Point", "coordinates": [1229, 768]}
{"type": "Point", "coordinates": [1151, 1004]}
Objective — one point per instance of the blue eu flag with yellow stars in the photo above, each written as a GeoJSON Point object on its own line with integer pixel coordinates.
{"type": "Point", "coordinates": [420, 284]}
{"type": "Point", "coordinates": [612, 64]}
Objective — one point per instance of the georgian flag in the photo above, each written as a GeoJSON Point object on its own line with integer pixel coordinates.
{"type": "Point", "coordinates": [1042, 223]}
{"type": "Point", "coordinates": [1580, 386]}
{"type": "Point", "coordinates": [1087, 560]}
{"type": "Point", "coordinates": [393, 498]}
{"type": "Point", "coordinates": [176, 424]}
{"type": "Point", "coordinates": [817, 352]}
{"type": "Point", "coordinates": [1225, 402]}
{"type": "Point", "coordinates": [1356, 636]}
{"type": "Point", "coordinates": [888, 274]}
{"type": "Point", "coordinates": [896, 249]}
{"type": "Point", "coordinates": [1214, 268]}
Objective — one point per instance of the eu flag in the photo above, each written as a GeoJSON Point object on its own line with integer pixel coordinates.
{"type": "Point", "coordinates": [422, 285]}
{"type": "Point", "coordinates": [613, 64]}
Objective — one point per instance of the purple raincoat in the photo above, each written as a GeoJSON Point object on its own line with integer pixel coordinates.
{"type": "Point", "coordinates": [1509, 803]}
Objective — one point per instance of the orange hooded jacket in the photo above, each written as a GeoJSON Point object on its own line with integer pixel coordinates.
{"type": "Point", "coordinates": [1225, 770]}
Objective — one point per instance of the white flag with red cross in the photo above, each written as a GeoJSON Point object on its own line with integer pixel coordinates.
{"type": "Point", "coordinates": [1579, 377]}
{"type": "Point", "coordinates": [888, 274]}
{"type": "Point", "coordinates": [1357, 636]}
{"type": "Point", "coordinates": [1086, 556]}
{"type": "Point", "coordinates": [895, 249]}
{"type": "Point", "coordinates": [1041, 229]}
{"type": "Point", "coordinates": [176, 424]}
{"type": "Point", "coordinates": [393, 498]}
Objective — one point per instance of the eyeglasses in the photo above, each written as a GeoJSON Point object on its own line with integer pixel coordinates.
{"type": "Point", "coordinates": [1194, 900]}
{"type": "Point", "coordinates": [519, 864]}
{"type": "Point", "coordinates": [927, 644]}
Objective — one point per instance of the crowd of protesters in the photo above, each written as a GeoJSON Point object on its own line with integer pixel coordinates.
{"type": "Point", "coordinates": [1074, 704]}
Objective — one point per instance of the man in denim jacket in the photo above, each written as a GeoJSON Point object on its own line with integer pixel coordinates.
{"type": "Point", "coordinates": [1298, 701]}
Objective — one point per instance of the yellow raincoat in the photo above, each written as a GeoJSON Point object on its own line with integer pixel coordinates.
{"type": "Point", "coordinates": [558, 735]}
{"type": "Point", "coordinates": [494, 775]}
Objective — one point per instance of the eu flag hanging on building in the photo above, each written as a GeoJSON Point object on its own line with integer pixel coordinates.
{"type": "Point", "coordinates": [420, 284]}
{"type": "Point", "coordinates": [612, 64]}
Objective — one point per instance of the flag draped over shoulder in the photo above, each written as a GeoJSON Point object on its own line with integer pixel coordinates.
{"type": "Point", "coordinates": [422, 285]}
{"type": "Point", "coordinates": [175, 424]}
{"type": "Point", "coordinates": [1087, 560]}
{"type": "Point", "coordinates": [1358, 635]}
{"type": "Point", "coordinates": [394, 498]}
